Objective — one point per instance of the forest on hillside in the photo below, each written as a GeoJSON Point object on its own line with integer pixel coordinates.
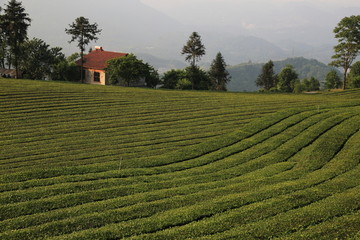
{"type": "Point", "coordinates": [243, 76]}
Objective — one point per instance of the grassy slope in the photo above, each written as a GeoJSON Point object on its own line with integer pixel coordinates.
{"type": "Point", "coordinates": [94, 162]}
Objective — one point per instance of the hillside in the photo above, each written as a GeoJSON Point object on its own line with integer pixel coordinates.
{"type": "Point", "coordinates": [244, 75]}
{"type": "Point", "coordinates": [100, 162]}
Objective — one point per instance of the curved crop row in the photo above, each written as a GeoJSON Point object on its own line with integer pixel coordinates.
{"type": "Point", "coordinates": [92, 162]}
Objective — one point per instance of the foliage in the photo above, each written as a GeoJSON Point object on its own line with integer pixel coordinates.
{"type": "Point", "coordinates": [244, 76]}
{"type": "Point", "coordinates": [3, 45]}
{"type": "Point", "coordinates": [354, 75]}
{"type": "Point", "coordinates": [171, 78]}
{"type": "Point", "coordinates": [39, 59]}
{"type": "Point", "coordinates": [83, 32]}
{"type": "Point", "coordinates": [73, 57]}
{"type": "Point", "coordinates": [332, 80]}
{"type": "Point", "coordinates": [179, 79]}
{"type": "Point", "coordinates": [152, 78]}
{"type": "Point", "coordinates": [67, 69]}
{"type": "Point", "coordinates": [347, 32]}
{"type": "Point", "coordinates": [306, 85]}
{"type": "Point", "coordinates": [130, 70]}
{"type": "Point", "coordinates": [311, 84]}
{"type": "Point", "coordinates": [298, 87]}
{"type": "Point", "coordinates": [218, 73]}
{"type": "Point", "coordinates": [3, 52]}
{"type": "Point", "coordinates": [199, 78]}
{"type": "Point", "coordinates": [355, 82]}
{"type": "Point", "coordinates": [183, 84]}
{"type": "Point", "coordinates": [14, 23]}
{"type": "Point", "coordinates": [194, 49]}
{"type": "Point", "coordinates": [267, 78]}
{"type": "Point", "coordinates": [355, 69]}
{"type": "Point", "coordinates": [287, 78]}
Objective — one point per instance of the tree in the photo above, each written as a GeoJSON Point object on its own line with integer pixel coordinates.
{"type": "Point", "coordinates": [129, 70]}
{"type": "Point", "coordinates": [218, 73]}
{"type": "Point", "coordinates": [298, 86]}
{"type": "Point", "coordinates": [172, 77]}
{"type": "Point", "coordinates": [348, 34]}
{"type": "Point", "coordinates": [179, 79]}
{"type": "Point", "coordinates": [3, 50]}
{"type": "Point", "coordinates": [200, 79]}
{"type": "Point", "coordinates": [332, 80]}
{"type": "Point", "coordinates": [83, 32]}
{"type": "Point", "coordinates": [39, 59]}
{"type": "Point", "coordinates": [14, 24]}
{"type": "Point", "coordinates": [311, 84]}
{"type": "Point", "coordinates": [67, 69]}
{"type": "Point", "coordinates": [193, 51]}
{"type": "Point", "coordinates": [287, 78]}
{"type": "Point", "coordinates": [2, 44]}
{"type": "Point", "coordinates": [267, 78]}
{"type": "Point", "coordinates": [355, 75]}
{"type": "Point", "coordinates": [306, 85]}
{"type": "Point", "coordinates": [183, 84]}
{"type": "Point", "coordinates": [152, 78]}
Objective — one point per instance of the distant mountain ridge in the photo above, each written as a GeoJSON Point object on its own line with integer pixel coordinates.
{"type": "Point", "coordinates": [134, 27]}
{"type": "Point", "coordinates": [245, 75]}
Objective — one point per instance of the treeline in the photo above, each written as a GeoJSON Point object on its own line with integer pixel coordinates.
{"type": "Point", "coordinates": [129, 69]}
{"type": "Point", "coordinates": [193, 77]}
{"type": "Point", "coordinates": [347, 50]}
{"type": "Point", "coordinates": [287, 80]}
{"type": "Point", "coordinates": [34, 58]}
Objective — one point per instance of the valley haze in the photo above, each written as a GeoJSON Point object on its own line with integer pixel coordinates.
{"type": "Point", "coordinates": [156, 30]}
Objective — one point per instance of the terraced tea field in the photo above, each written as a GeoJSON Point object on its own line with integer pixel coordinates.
{"type": "Point", "coordinates": [96, 162]}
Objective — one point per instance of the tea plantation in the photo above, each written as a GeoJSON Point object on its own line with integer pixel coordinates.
{"type": "Point", "coordinates": [96, 162]}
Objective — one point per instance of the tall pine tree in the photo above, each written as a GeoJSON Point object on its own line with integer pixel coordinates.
{"type": "Point", "coordinates": [193, 51]}
{"type": "Point", "coordinates": [218, 73]}
{"type": "Point", "coordinates": [14, 23]}
{"type": "Point", "coordinates": [267, 78]}
{"type": "Point", "coordinates": [83, 32]}
{"type": "Point", "coordinates": [287, 78]}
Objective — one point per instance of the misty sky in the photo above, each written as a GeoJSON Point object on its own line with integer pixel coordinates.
{"type": "Point", "coordinates": [169, 5]}
{"type": "Point", "coordinates": [140, 25]}
{"type": "Point", "coordinates": [231, 12]}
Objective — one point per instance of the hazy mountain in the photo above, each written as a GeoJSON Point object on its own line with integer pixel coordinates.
{"type": "Point", "coordinates": [245, 75]}
{"type": "Point", "coordinates": [161, 64]}
{"type": "Point", "coordinates": [234, 49]}
{"type": "Point", "coordinates": [244, 30]}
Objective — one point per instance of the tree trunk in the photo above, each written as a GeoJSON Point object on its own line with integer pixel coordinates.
{"type": "Point", "coordinates": [345, 78]}
{"type": "Point", "coordinates": [192, 75]}
{"type": "Point", "coordinates": [16, 63]}
{"type": "Point", "coordinates": [82, 67]}
{"type": "Point", "coordinates": [82, 49]}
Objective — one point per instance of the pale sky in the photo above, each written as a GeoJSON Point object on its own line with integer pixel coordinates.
{"type": "Point", "coordinates": [244, 11]}
{"type": "Point", "coordinates": [160, 27]}
{"type": "Point", "coordinates": [160, 3]}
{"type": "Point", "coordinates": [172, 4]}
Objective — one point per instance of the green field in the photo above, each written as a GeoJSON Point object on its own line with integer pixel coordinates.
{"type": "Point", "coordinates": [97, 162]}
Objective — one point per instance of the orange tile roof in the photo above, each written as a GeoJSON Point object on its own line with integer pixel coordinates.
{"type": "Point", "coordinates": [98, 58]}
